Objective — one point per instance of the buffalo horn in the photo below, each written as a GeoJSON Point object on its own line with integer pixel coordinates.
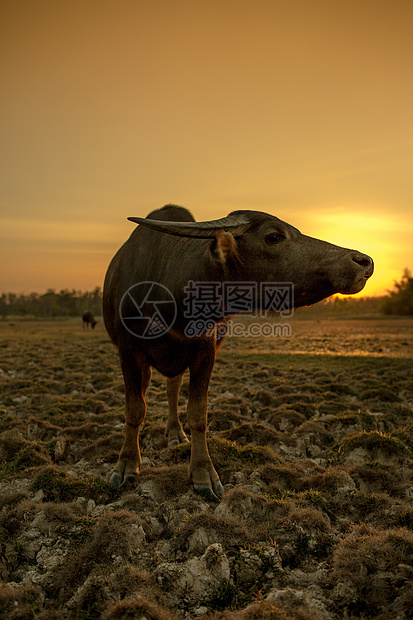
{"type": "Point", "coordinates": [204, 230]}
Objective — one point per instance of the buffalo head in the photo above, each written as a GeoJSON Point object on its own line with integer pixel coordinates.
{"type": "Point", "coordinates": [258, 247]}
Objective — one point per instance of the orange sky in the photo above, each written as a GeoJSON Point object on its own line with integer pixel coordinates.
{"type": "Point", "coordinates": [303, 109]}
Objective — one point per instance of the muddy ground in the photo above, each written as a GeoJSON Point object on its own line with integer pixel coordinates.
{"type": "Point", "coordinates": [311, 435]}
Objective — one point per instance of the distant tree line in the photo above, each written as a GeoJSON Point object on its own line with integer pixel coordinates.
{"type": "Point", "coordinates": [72, 303]}
{"type": "Point", "coordinates": [342, 306]}
{"type": "Point", "coordinates": [400, 299]}
{"type": "Point", "coordinates": [50, 304]}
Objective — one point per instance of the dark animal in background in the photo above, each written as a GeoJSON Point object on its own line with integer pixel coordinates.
{"type": "Point", "coordinates": [171, 249]}
{"type": "Point", "coordinates": [88, 319]}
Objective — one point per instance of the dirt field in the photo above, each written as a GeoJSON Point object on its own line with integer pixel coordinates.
{"type": "Point", "coordinates": [311, 435]}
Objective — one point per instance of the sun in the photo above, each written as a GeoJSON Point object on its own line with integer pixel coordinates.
{"type": "Point", "coordinates": [378, 235]}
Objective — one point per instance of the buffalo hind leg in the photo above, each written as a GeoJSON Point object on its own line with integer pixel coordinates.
{"type": "Point", "coordinates": [174, 432]}
{"type": "Point", "coordinates": [201, 470]}
{"type": "Point", "coordinates": [137, 377]}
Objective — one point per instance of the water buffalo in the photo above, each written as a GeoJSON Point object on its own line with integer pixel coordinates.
{"type": "Point", "coordinates": [88, 318]}
{"type": "Point", "coordinates": [147, 313]}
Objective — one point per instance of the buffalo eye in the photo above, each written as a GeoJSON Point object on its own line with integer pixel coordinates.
{"type": "Point", "coordinates": [273, 238]}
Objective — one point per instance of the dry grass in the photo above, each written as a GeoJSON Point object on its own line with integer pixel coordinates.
{"type": "Point", "coordinates": [311, 436]}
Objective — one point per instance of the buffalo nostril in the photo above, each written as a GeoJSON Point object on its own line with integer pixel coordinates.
{"type": "Point", "coordinates": [364, 261]}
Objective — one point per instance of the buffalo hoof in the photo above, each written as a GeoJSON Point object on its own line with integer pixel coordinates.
{"type": "Point", "coordinates": [115, 480]}
{"type": "Point", "coordinates": [208, 493]}
{"type": "Point", "coordinates": [128, 481]}
{"type": "Point", "coordinates": [177, 442]}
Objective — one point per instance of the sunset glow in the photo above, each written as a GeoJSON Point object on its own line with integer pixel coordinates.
{"type": "Point", "coordinates": [372, 234]}
{"type": "Point", "coordinates": [109, 110]}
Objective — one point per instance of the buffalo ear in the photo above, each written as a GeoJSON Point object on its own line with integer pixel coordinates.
{"type": "Point", "coordinates": [223, 247]}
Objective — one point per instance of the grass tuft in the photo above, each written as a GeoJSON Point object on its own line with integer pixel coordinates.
{"type": "Point", "coordinates": [60, 487]}
{"type": "Point", "coordinates": [374, 441]}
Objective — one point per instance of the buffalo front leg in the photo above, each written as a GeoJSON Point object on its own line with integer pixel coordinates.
{"type": "Point", "coordinates": [137, 377]}
{"type": "Point", "coordinates": [201, 470]}
{"type": "Point", "coordinates": [174, 432]}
